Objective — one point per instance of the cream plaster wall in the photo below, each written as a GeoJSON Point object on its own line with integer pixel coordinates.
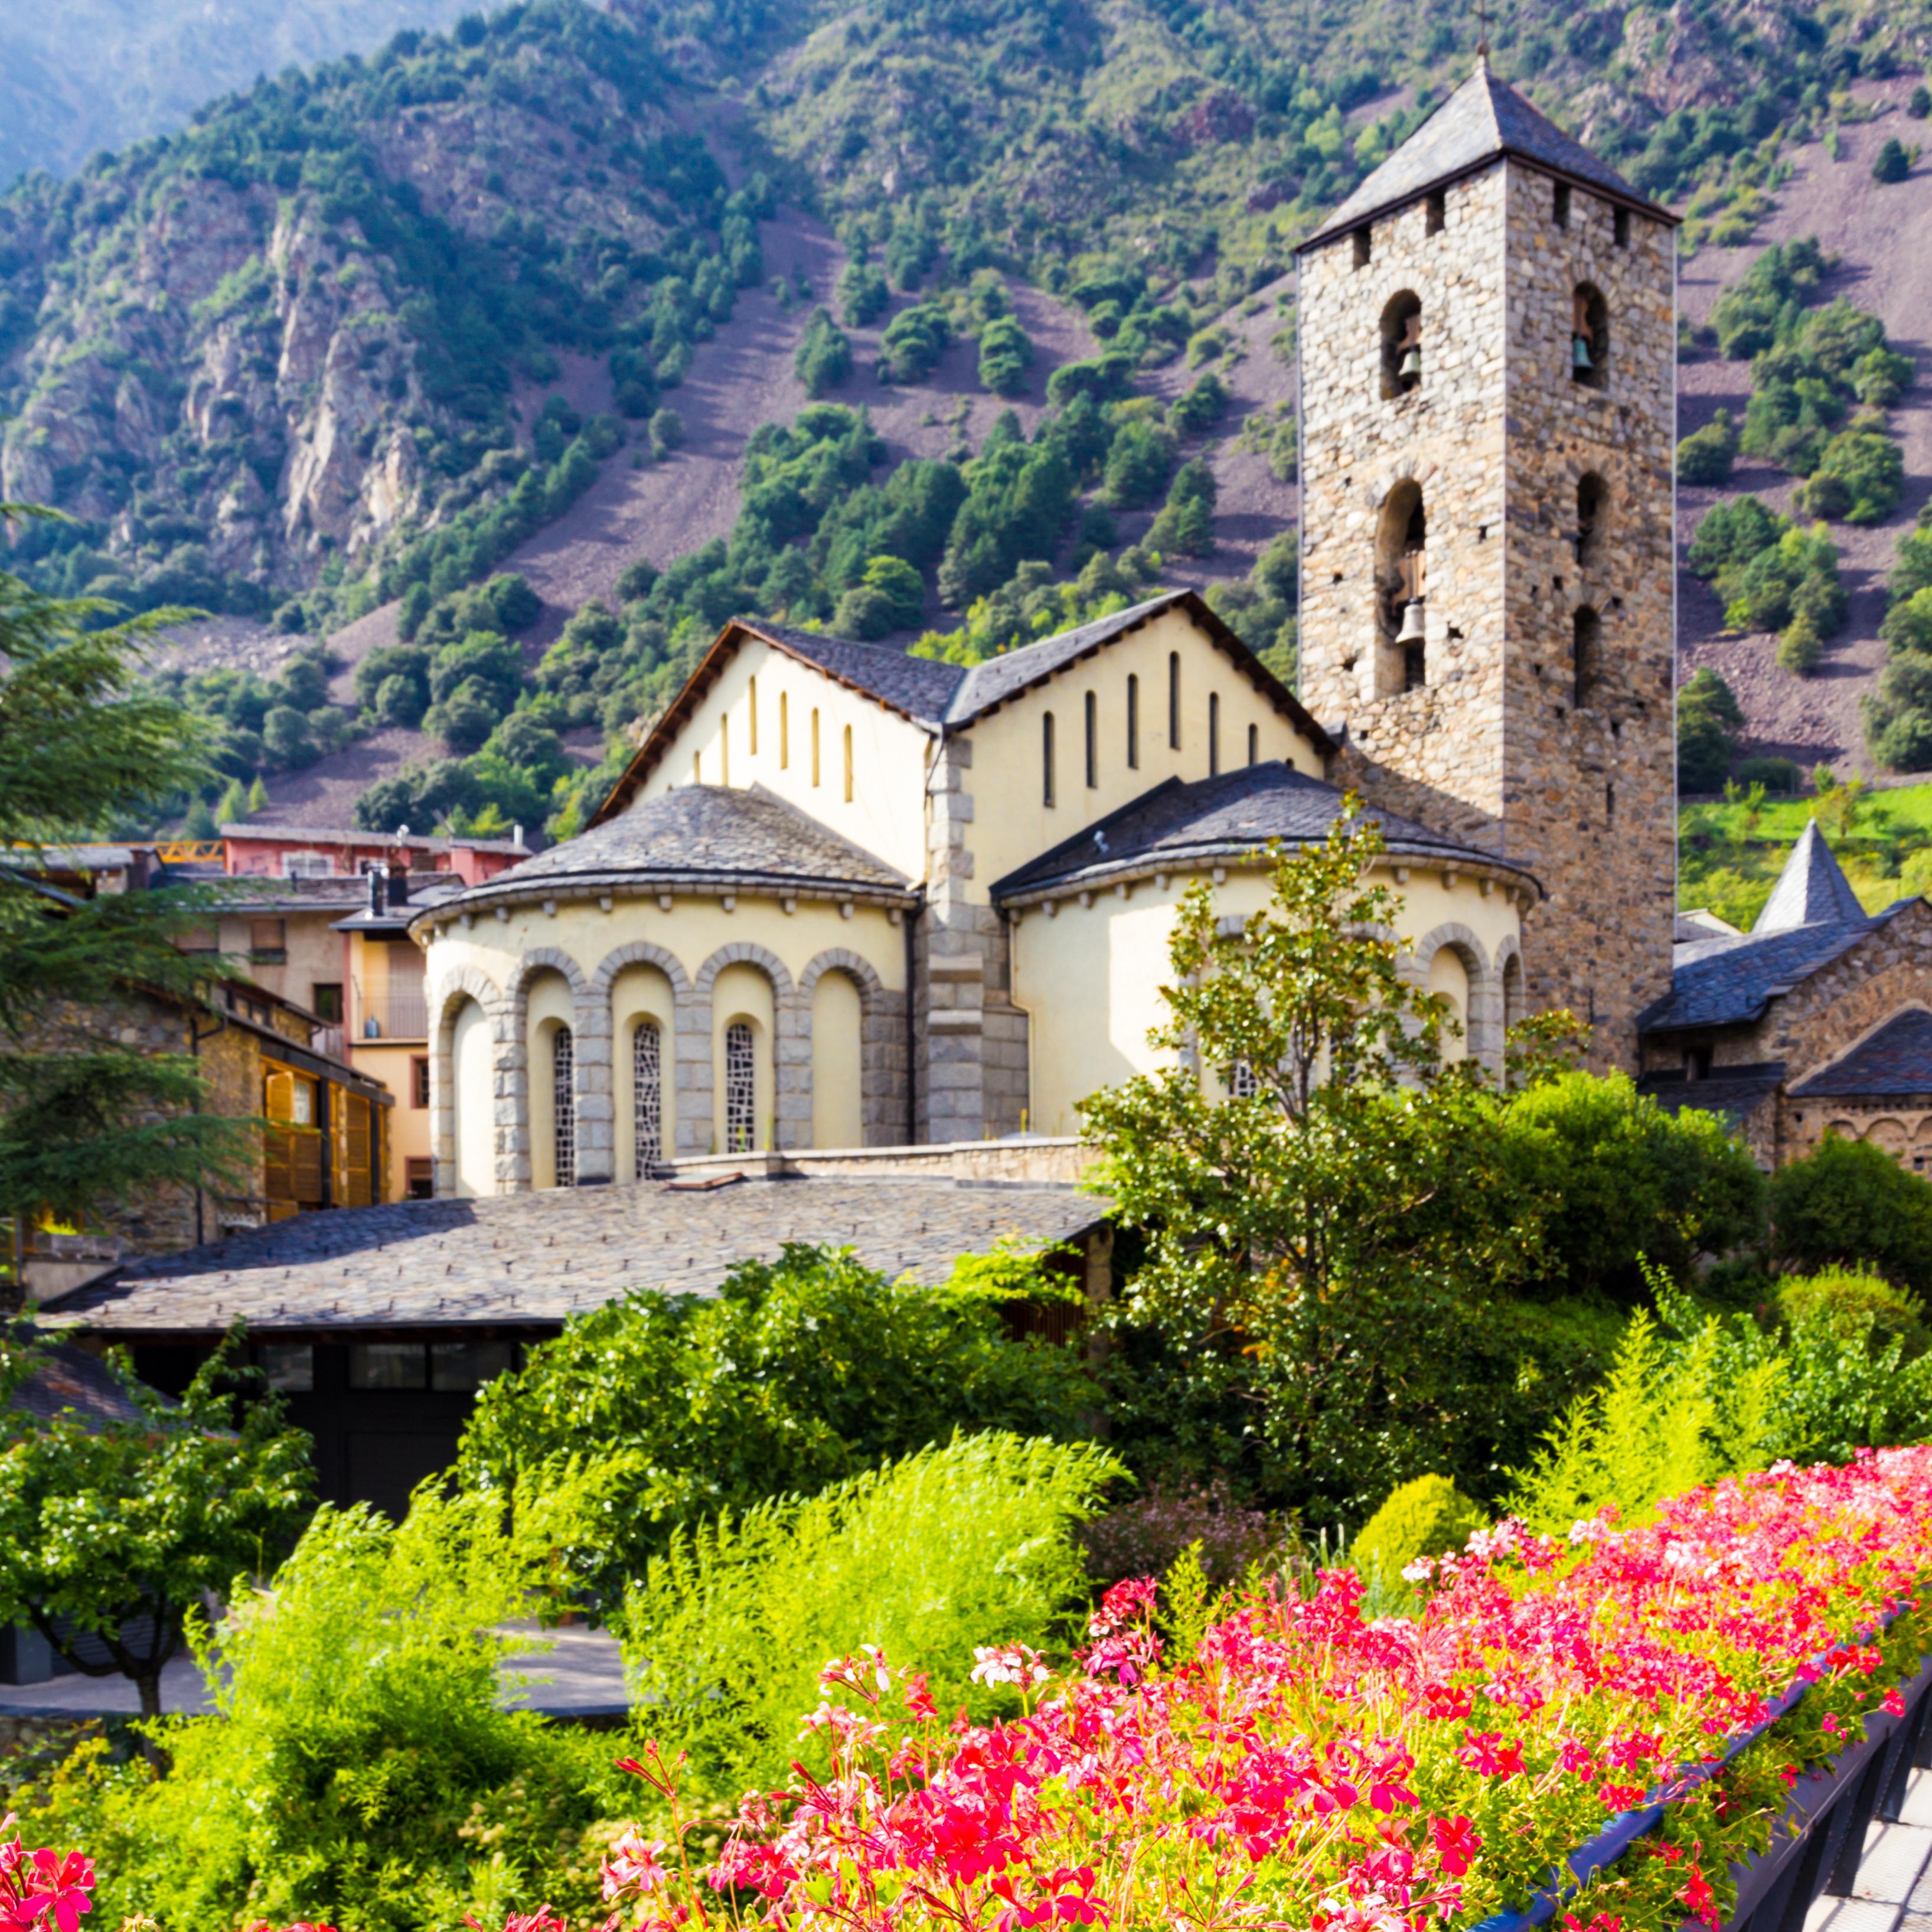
{"type": "Point", "coordinates": [550, 1008]}
{"type": "Point", "coordinates": [691, 932]}
{"type": "Point", "coordinates": [640, 996]}
{"type": "Point", "coordinates": [1090, 977]}
{"type": "Point", "coordinates": [886, 813]}
{"type": "Point", "coordinates": [1012, 823]}
{"type": "Point", "coordinates": [837, 1021]}
{"type": "Point", "coordinates": [742, 992]}
{"type": "Point", "coordinates": [474, 1111]}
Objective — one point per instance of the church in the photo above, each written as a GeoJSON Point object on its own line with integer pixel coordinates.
{"type": "Point", "coordinates": [846, 898]}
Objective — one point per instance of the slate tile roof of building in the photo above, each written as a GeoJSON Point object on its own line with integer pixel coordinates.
{"type": "Point", "coordinates": [1811, 890]}
{"type": "Point", "coordinates": [1732, 1093]}
{"type": "Point", "coordinates": [1895, 1060]}
{"type": "Point", "coordinates": [700, 833]}
{"type": "Point", "coordinates": [70, 1381]}
{"type": "Point", "coordinates": [1237, 813]}
{"type": "Point", "coordinates": [922, 688]}
{"type": "Point", "coordinates": [1812, 917]}
{"type": "Point", "coordinates": [533, 1259]}
{"type": "Point", "coordinates": [1483, 120]}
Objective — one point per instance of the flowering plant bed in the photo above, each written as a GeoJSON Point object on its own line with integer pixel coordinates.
{"type": "Point", "coordinates": [1667, 1684]}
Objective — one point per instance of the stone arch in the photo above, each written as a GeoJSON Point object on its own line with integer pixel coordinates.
{"type": "Point", "coordinates": [1401, 344]}
{"type": "Point", "coordinates": [445, 998]}
{"type": "Point", "coordinates": [1483, 1029]}
{"type": "Point", "coordinates": [590, 1066]}
{"type": "Point", "coordinates": [1590, 337]}
{"type": "Point", "coordinates": [1593, 517]}
{"type": "Point", "coordinates": [1402, 586]}
{"type": "Point", "coordinates": [1512, 985]}
{"type": "Point", "coordinates": [881, 1016]}
{"type": "Point", "coordinates": [688, 1074]}
{"type": "Point", "coordinates": [791, 1044]}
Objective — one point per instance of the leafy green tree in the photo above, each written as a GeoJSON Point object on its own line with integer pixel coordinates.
{"type": "Point", "coordinates": [1006, 354]}
{"type": "Point", "coordinates": [1186, 523]}
{"type": "Point", "coordinates": [88, 1123]}
{"type": "Point", "coordinates": [118, 1529]}
{"type": "Point", "coordinates": [863, 296]}
{"type": "Point", "coordinates": [1138, 460]}
{"type": "Point", "coordinates": [891, 596]}
{"type": "Point", "coordinates": [1920, 105]}
{"type": "Point", "coordinates": [1325, 1210]}
{"type": "Point", "coordinates": [1710, 720]}
{"type": "Point", "coordinates": [823, 359]}
{"type": "Point", "coordinates": [1858, 479]}
{"type": "Point", "coordinates": [797, 1373]}
{"type": "Point", "coordinates": [913, 342]}
{"type": "Point", "coordinates": [1893, 164]}
{"type": "Point", "coordinates": [1849, 1204]}
{"type": "Point", "coordinates": [1704, 456]}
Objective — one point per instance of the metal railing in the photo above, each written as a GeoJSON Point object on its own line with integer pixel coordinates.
{"type": "Point", "coordinates": [400, 1012]}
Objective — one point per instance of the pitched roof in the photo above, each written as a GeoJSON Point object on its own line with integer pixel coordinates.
{"type": "Point", "coordinates": [698, 835]}
{"type": "Point", "coordinates": [1732, 1093]}
{"type": "Point", "coordinates": [1811, 890]}
{"type": "Point", "coordinates": [1699, 923]}
{"type": "Point", "coordinates": [1726, 981]}
{"type": "Point", "coordinates": [533, 1259]}
{"type": "Point", "coordinates": [943, 698]}
{"type": "Point", "coordinates": [1483, 120]}
{"type": "Point", "coordinates": [1896, 1059]}
{"type": "Point", "coordinates": [1177, 823]}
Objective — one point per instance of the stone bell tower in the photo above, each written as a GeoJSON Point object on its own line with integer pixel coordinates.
{"type": "Point", "coordinates": [1488, 606]}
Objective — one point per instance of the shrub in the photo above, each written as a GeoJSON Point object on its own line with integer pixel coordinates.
{"type": "Point", "coordinates": [1920, 105]}
{"type": "Point", "coordinates": [1005, 353]}
{"type": "Point", "coordinates": [1709, 721]}
{"type": "Point", "coordinates": [824, 358]}
{"type": "Point", "coordinates": [1800, 650]}
{"type": "Point", "coordinates": [1852, 1305]}
{"type": "Point", "coordinates": [1849, 1204]}
{"type": "Point", "coordinates": [1146, 1534]}
{"type": "Point", "coordinates": [913, 342]}
{"type": "Point", "coordinates": [1893, 164]}
{"type": "Point", "coordinates": [1858, 480]}
{"type": "Point", "coordinates": [1203, 404]}
{"type": "Point", "coordinates": [1427, 1517]}
{"type": "Point", "coordinates": [798, 1373]}
{"type": "Point", "coordinates": [1137, 462]}
{"type": "Point", "coordinates": [1105, 378]}
{"type": "Point", "coordinates": [927, 1560]}
{"type": "Point", "coordinates": [1706, 456]}
{"type": "Point", "coordinates": [1775, 774]}
{"type": "Point", "coordinates": [863, 296]}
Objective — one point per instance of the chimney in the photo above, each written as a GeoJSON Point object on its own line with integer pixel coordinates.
{"type": "Point", "coordinates": [378, 881]}
{"type": "Point", "coordinates": [399, 881]}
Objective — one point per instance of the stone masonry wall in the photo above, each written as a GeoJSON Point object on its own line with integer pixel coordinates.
{"type": "Point", "coordinates": [1434, 754]}
{"type": "Point", "coordinates": [1590, 788]}
{"type": "Point", "coordinates": [1494, 748]}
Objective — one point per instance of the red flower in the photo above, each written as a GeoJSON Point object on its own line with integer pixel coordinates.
{"type": "Point", "coordinates": [1456, 1843]}
{"type": "Point", "coordinates": [58, 1886]}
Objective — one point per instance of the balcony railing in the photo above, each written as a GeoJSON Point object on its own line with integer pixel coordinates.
{"type": "Point", "coordinates": [398, 1013]}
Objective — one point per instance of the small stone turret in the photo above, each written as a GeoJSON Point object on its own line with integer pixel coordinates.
{"type": "Point", "coordinates": [1488, 396]}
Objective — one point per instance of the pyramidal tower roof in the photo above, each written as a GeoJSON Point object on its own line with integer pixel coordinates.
{"type": "Point", "coordinates": [1811, 891]}
{"type": "Point", "coordinates": [1483, 120]}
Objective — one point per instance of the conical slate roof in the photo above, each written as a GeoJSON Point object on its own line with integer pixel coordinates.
{"type": "Point", "coordinates": [1483, 120]}
{"type": "Point", "coordinates": [1811, 891]}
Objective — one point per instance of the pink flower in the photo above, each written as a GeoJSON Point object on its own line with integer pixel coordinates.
{"type": "Point", "coordinates": [1007, 1663]}
{"type": "Point", "coordinates": [1456, 1843]}
{"type": "Point", "coordinates": [633, 1866]}
{"type": "Point", "coordinates": [60, 1886]}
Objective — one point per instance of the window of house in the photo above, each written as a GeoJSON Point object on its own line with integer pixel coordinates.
{"type": "Point", "coordinates": [784, 732]}
{"type": "Point", "coordinates": [269, 942]}
{"type": "Point", "coordinates": [462, 1367]}
{"type": "Point", "coordinates": [287, 1366]}
{"type": "Point", "coordinates": [1363, 246]}
{"type": "Point", "coordinates": [751, 718]}
{"type": "Point", "coordinates": [646, 1098]}
{"type": "Point", "coordinates": [848, 763]}
{"type": "Point", "coordinates": [1437, 217]}
{"type": "Point", "coordinates": [1561, 205]}
{"type": "Point", "coordinates": [387, 1365]}
{"type": "Point", "coordinates": [1092, 710]}
{"type": "Point", "coordinates": [1254, 744]}
{"type": "Point", "coordinates": [563, 1091]}
{"type": "Point", "coordinates": [1174, 700]}
{"type": "Point", "coordinates": [741, 1088]}
{"type": "Point", "coordinates": [1401, 344]}
{"type": "Point", "coordinates": [419, 1080]}
{"type": "Point", "coordinates": [1046, 758]}
{"type": "Point", "coordinates": [725, 749]}
{"type": "Point", "coordinates": [1133, 723]}
{"type": "Point", "coordinates": [307, 866]}
{"type": "Point", "coordinates": [1592, 495]}
{"type": "Point", "coordinates": [1241, 1083]}
{"type": "Point", "coordinates": [1621, 221]}
{"type": "Point", "coordinates": [418, 1178]}
{"type": "Point", "coordinates": [1214, 733]}
{"type": "Point", "coordinates": [324, 999]}
{"type": "Point", "coordinates": [814, 744]}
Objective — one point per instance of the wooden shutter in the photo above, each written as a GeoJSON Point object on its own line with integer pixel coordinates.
{"type": "Point", "coordinates": [355, 1152]}
{"type": "Point", "coordinates": [278, 1095]}
{"type": "Point", "coordinates": [305, 1152]}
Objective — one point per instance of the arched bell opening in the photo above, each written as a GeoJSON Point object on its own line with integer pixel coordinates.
{"type": "Point", "coordinates": [1401, 544]}
{"type": "Point", "coordinates": [1401, 344]}
{"type": "Point", "coordinates": [1590, 337]}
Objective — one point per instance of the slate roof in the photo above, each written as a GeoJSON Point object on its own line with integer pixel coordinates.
{"type": "Point", "coordinates": [1237, 813]}
{"type": "Point", "coordinates": [71, 1381]}
{"type": "Point", "coordinates": [1895, 1060]}
{"type": "Point", "coordinates": [335, 835]}
{"type": "Point", "coordinates": [1811, 890]}
{"type": "Point", "coordinates": [531, 1260]}
{"type": "Point", "coordinates": [1701, 923]}
{"type": "Point", "coordinates": [1483, 120]}
{"type": "Point", "coordinates": [1812, 918]}
{"type": "Point", "coordinates": [1733, 1095]}
{"type": "Point", "coordinates": [942, 697]}
{"type": "Point", "coordinates": [695, 835]}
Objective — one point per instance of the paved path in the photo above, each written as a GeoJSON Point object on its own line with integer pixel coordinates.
{"type": "Point", "coordinates": [580, 1675]}
{"type": "Point", "coordinates": [1894, 1893]}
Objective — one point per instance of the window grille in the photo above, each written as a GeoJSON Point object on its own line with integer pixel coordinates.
{"type": "Point", "coordinates": [647, 1097]}
{"type": "Point", "coordinates": [1242, 1084]}
{"type": "Point", "coordinates": [563, 1102]}
{"type": "Point", "coordinates": [741, 1088]}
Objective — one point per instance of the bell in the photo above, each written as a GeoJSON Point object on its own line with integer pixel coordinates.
{"type": "Point", "coordinates": [1580, 353]}
{"type": "Point", "coordinates": [1411, 631]}
{"type": "Point", "coordinates": [1411, 364]}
